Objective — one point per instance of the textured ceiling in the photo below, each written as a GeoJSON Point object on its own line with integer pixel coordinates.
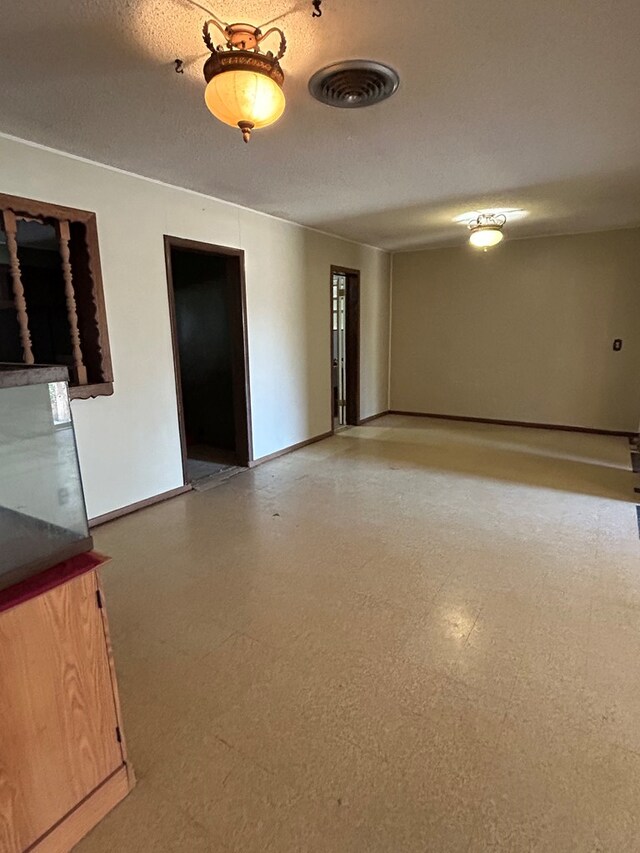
{"type": "Point", "coordinates": [502, 103]}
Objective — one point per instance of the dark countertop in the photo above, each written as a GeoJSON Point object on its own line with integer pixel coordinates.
{"type": "Point", "coordinates": [50, 578]}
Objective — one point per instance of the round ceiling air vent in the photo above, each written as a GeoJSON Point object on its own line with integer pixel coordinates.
{"type": "Point", "coordinates": [355, 83]}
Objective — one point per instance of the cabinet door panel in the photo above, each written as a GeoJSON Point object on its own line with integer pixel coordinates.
{"type": "Point", "coordinates": [57, 712]}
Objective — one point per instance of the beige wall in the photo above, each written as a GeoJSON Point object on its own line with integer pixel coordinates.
{"type": "Point", "coordinates": [523, 332]}
{"type": "Point", "coordinates": [129, 443]}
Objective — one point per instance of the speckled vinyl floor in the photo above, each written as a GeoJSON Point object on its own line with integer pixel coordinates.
{"type": "Point", "coordinates": [415, 636]}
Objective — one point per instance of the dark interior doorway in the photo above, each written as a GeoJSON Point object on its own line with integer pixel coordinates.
{"type": "Point", "coordinates": [345, 347]}
{"type": "Point", "coordinates": [208, 320]}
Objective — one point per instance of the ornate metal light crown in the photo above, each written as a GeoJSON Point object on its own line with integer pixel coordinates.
{"type": "Point", "coordinates": [488, 220]}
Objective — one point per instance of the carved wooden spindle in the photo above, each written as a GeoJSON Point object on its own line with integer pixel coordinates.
{"type": "Point", "coordinates": [11, 231]}
{"type": "Point", "coordinates": [79, 370]}
{"type": "Point", "coordinates": [91, 246]}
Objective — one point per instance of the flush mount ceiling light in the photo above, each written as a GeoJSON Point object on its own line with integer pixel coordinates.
{"type": "Point", "coordinates": [486, 230]}
{"type": "Point", "coordinates": [244, 85]}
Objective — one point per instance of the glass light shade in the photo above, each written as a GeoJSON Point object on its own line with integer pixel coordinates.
{"type": "Point", "coordinates": [486, 236]}
{"type": "Point", "coordinates": [244, 96]}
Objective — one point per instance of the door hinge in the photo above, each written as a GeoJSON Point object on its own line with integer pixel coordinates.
{"type": "Point", "coordinates": [99, 598]}
{"type": "Point", "coordinates": [118, 734]}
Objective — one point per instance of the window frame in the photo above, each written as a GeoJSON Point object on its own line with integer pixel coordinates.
{"type": "Point", "coordinates": [25, 207]}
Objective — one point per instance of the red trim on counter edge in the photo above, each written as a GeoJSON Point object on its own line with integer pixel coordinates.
{"type": "Point", "coordinates": [44, 581]}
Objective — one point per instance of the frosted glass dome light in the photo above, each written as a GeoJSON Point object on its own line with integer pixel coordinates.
{"type": "Point", "coordinates": [244, 99]}
{"type": "Point", "coordinates": [486, 236]}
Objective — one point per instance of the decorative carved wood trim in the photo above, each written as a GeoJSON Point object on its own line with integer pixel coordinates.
{"type": "Point", "coordinates": [92, 372]}
{"type": "Point", "coordinates": [28, 207]}
{"type": "Point", "coordinates": [97, 298]}
{"type": "Point", "coordinates": [64, 237]}
{"type": "Point", "coordinates": [86, 392]}
{"type": "Point", "coordinates": [11, 232]}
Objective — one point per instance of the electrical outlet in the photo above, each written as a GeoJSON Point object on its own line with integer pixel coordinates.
{"type": "Point", "coordinates": [617, 345]}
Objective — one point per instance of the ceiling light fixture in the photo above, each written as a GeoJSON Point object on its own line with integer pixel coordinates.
{"type": "Point", "coordinates": [486, 230]}
{"type": "Point", "coordinates": [244, 85]}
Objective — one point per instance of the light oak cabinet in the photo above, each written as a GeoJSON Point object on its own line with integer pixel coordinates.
{"type": "Point", "coordinates": [63, 763]}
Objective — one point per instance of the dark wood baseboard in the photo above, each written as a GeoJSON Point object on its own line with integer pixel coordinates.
{"type": "Point", "coordinates": [126, 510]}
{"type": "Point", "coordinates": [164, 496]}
{"type": "Point", "coordinates": [527, 424]}
{"type": "Point", "coordinates": [306, 442]}
{"type": "Point", "coordinates": [373, 417]}
{"type": "Point", "coordinates": [289, 449]}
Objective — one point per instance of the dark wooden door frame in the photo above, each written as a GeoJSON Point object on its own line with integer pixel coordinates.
{"type": "Point", "coordinates": [352, 342]}
{"type": "Point", "coordinates": [240, 349]}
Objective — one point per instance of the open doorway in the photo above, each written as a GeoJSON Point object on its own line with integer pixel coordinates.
{"type": "Point", "coordinates": [345, 347]}
{"type": "Point", "coordinates": [208, 324]}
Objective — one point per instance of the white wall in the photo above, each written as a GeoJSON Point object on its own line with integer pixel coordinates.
{"type": "Point", "coordinates": [523, 332]}
{"type": "Point", "coordinates": [129, 443]}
